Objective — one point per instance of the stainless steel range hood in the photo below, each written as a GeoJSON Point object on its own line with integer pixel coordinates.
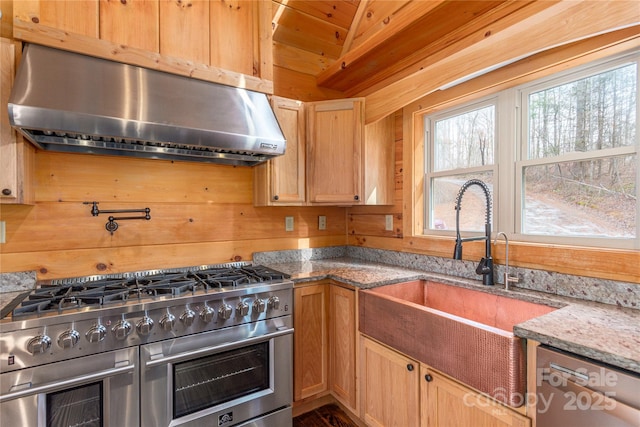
{"type": "Point", "coordinates": [63, 101]}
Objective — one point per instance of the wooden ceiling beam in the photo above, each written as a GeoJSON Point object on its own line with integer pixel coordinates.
{"type": "Point", "coordinates": [394, 24]}
{"type": "Point", "coordinates": [452, 37]}
{"type": "Point", "coordinates": [535, 67]}
{"type": "Point", "coordinates": [562, 23]}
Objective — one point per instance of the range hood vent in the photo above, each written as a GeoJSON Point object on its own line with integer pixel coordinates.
{"type": "Point", "coordinates": [64, 101]}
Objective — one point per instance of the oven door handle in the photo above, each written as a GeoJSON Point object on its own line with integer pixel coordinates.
{"type": "Point", "coordinates": [47, 387]}
{"type": "Point", "coordinates": [601, 401]}
{"type": "Point", "coordinates": [216, 348]}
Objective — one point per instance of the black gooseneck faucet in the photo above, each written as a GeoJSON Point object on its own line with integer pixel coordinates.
{"type": "Point", "coordinates": [485, 267]}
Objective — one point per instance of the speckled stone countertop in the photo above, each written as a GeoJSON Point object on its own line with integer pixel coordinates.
{"type": "Point", "coordinates": [603, 332]}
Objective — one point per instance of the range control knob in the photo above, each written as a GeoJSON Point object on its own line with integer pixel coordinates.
{"type": "Point", "coordinates": [188, 317]}
{"type": "Point", "coordinates": [96, 333]}
{"type": "Point", "coordinates": [274, 303]}
{"type": "Point", "coordinates": [242, 309]}
{"type": "Point", "coordinates": [144, 325]}
{"type": "Point", "coordinates": [207, 314]}
{"type": "Point", "coordinates": [121, 330]}
{"type": "Point", "coordinates": [69, 339]}
{"type": "Point", "coordinates": [39, 344]}
{"type": "Point", "coordinates": [225, 311]}
{"type": "Point", "coordinates": [168, 321]}
{"type": "Point", "coordinates": [258, 306]}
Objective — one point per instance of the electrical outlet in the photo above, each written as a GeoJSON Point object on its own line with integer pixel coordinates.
{"type": "Point", "coordinates": [3, 232]}
{"type": "Point", "coordinates": [288, 223]}
{"type": "Point", "coordinates": [322, 222]}
{"type": "Point", "coordinates": [388, 222]}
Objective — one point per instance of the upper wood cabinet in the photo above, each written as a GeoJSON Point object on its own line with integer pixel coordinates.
{"type": "Point", "coordinates": [337, 161]}
{"type": "Point", "coordinates": [16, 155]}
{"type": "Point", "coordinates": [281, 181]}
{"type": "Point", "coordinates": [335, 132]}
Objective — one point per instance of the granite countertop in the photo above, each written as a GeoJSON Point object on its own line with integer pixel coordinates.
{"type": "Point", "coordinates": [603, 332]}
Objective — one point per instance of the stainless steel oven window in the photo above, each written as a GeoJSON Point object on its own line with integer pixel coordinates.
{"type": "Point", "coordinates": [79, 406]}
{"type": "Point", "coordinates": [209, 381]}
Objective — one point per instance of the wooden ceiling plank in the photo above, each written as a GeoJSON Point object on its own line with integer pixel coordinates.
{"type": "Point", "coordinates": [562, 23]}
{"type": "Point", "coordinates": [404, 18]}
{"type": "Point", "coordinates": [299, 60]}
{"type": "Point", "coordinates": [337, 12]}
{"type": "Point", "coordinates": [306, 32]}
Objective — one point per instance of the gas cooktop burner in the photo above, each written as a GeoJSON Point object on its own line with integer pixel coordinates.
{"type": "Point", "coordinates": [77, 293]}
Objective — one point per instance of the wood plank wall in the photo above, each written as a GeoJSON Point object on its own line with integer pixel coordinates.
{"type": "Point", "coordinates": [200, 214]}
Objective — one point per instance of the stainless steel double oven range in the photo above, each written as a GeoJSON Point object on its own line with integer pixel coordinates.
{"type": "Point", "coordinates": [203, 346]}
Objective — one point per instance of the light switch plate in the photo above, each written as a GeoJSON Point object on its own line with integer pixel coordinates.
{"type": "Point", "coordinates": [388, 222]}
{"type": "Point", "coordinates": [288, 223]}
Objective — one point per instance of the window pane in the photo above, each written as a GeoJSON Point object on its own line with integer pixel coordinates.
{"type": "Point", "coordinates": [590, 114]}
{"type": "Point", "coordinates": [595, 198]}
{"type": "Point", "coordinates": [465, 140]}
{"type": "Point", "coordinates": [473, 206]}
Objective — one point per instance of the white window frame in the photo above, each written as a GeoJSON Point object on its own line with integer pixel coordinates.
{"type": "Point", "coordinates": [510, 156]}
{"type": "Point", "coordinates": [430, 174]}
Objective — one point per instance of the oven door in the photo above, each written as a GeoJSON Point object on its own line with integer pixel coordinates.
{"type": "Point", "coordinates": [93, 391]}
{"type": "Point", "coordinates": [224, 377]}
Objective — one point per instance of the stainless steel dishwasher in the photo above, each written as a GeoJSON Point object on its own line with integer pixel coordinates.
{"type": "Point", "coordinates": [574, 391]}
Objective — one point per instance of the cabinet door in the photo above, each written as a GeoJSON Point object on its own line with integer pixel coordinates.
{"type": "Point", "coordinates": [281, 180]}
{"type": "Point", "coordinates": [16, 155]}
{"type": "Point", "coordinates": [342, 348]}
{"type": "Point", "coordinates": [334, 151]}
{"type": "Point", "coordinates": [390, 387]}
{"type": "Point", "coordinates": [447, 403]}
{"type": "Point", "coordinates": [310, 367]}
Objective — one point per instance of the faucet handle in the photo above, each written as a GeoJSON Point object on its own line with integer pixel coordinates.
{"type": "Point", "coordinates": [484, 267]}
{"type": "Point", "coordinates": [509, 279]}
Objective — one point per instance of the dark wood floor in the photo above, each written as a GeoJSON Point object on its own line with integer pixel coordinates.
{"type": "Point", "coordinates": [324, 416]}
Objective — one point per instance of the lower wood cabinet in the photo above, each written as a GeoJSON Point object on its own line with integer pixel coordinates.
{"type": "Point", "coordinates": [324, 321]}
{"type": "Point", "coordinates": [342, 345]}
{"type": "Point", "coordinates": [445, 402]}
{"type": "Point", "coordinates": [390, 386]}
{"type": "Point", "coordinates": [310, 341]}
{"type": "Point", "coordinates": [399, 391]}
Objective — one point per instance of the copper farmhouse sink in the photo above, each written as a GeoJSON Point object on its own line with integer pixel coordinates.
{"type": "Point", "coordinates": [462, 332]}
